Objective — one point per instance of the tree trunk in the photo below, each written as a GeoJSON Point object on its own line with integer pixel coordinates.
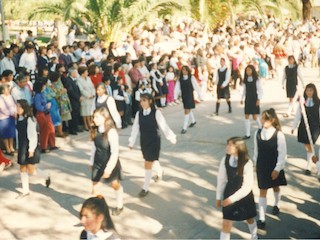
{"type": "Point", "coordinates": [61, 33]}
{"type": "Point", "coordinates": [306, 10]}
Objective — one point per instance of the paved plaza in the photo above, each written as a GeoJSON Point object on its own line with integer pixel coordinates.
{"type": "Point", "coordinates": [182, 206]}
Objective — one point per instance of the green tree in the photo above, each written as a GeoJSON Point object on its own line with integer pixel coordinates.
{"type": "Point", "coordinates": [110, 18]}
{"type": "Point", "coordinates": [62, 12]}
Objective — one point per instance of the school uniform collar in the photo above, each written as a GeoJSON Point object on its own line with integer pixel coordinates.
{"type": "Point", "coordinates": [100, 235]}
{"type": "Point", "coordinates": [309, 102]}
{"type": "Point", "coordinates": [221, 69]}
{"type": "Point", "coordinates": [101, 129]}
{"type": "Point", "coordinates": [146, 111]}
{"type": "Point", "coordinates": [233, 161]}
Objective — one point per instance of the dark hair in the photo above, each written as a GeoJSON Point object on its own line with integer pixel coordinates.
{"type": "Point", "coordinates": [38, 85]}
{"type": "Point", "coordinates": [20, 77]}
{"type": "Point", "coordinates": [315, 97]}
{"type": "Point", "coordinates": [149, 97]}
{"type": "Point", "coordinates": [82, 69]}
{"type": "Point", "coordinates": [188, 70]}
{"type": "Point", "coordinates": [58, 66]}
{"type": "Point", "coordinates": [116, 66]}
{"type": "Point", "coordinates": [270, 115]}
{"type": "Point", "coordinates": [294, 59]}
{"type": "Point", "coordinates": [243, 156]}
{"type": "Point", "coordinates": [6, 73]}
{"type": "Point", "coordinates": [41, 71]}
{"type": "Point", "coordinates": [6, 51]}
{"type": "Point", "coordinates": [254, 73]}
{"type": "Point", "coordinates": [27, 110]}
{"type": "Point", "coordinates": [99, 206]}
{"type": "Point", "coordinates": [108, 124]}
{"type": "Point", "coordinates": [92, 69]}
{"type": "Point", "coordinates": [54, 76]}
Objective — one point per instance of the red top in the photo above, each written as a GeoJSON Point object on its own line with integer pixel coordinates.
{"type": "Point", "coordinates": [95, 79]}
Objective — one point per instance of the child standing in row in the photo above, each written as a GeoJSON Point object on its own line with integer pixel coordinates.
{"type": "Point", "coordinates": [234, 188]}
{"type": "Point", "coordinates": [311, 105]}
{"type": "Point", "coordinates": [148, 120]}
{"type": "Point", "coordinates": [252, 93]}
{"type": "Point", "coordinates": [28, 148]}
{"type": "Point", "coordinates": [270, 153]}
{"type": "Point", "coordinates": [170, 79]}
{"type": "Point", "coordinates": [105, 155]}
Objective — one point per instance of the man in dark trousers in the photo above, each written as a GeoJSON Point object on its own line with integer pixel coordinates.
{"type": "Point", "coordinates": [70, 83]}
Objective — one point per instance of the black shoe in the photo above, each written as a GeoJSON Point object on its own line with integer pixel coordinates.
{"type": "Point", "coordinates": [48, 182]}
{"type": "Point", "coordinates": [275, 210]}
{"type": "Point", "coordinates": [117, 211]}
{"type": "Point", "coordinates": [230, 110]}
{"type": "Point", "coordinates": [45, 150]}
{"type": "Point", "coordinates": [143, 193]}
{"type": "Point", "coordinates": [73, 133]}
{"type": "Point", "coordinates": [9, 153]}
{"type": "Point", "coordinates": [183, 131]}
{"type": "Point", "coordinates": [246, 137]}
{"type": "Point", "coordinates": [192, 124]}
{"type": "Point", "coordinates": [308, 172]}
{"type": "Point", "coordinates": [22, 195]}
{"type": "Point", "coordinates": [216, 113]}
{"type": "Point", "coordinates": [261, 225]}
{"type": "Point", "coordinates": [54, 148]}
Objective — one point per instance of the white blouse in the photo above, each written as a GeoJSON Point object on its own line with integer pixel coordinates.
{"type": "Point", "coordinates": [247, 184]}
{"type": "Point", "coordinates": [169, 134]}
{"type": "Point", "coordinates": [266, 134]}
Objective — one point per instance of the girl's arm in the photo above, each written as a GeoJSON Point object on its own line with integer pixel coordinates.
{"type": "Point", "coordinates": [284, 77]}
{"type": "Point", "coordinates": [222, 180]}
{"type": "Point", "coordinates": [116, 95]}
{"type": "Point", "coordinates": [259, 89]}
{"type": "Point", "coordinates": [113, 138]}
{"type": "Point", "coordinates": [227, 80]}
{"type": "Point", "coordinates": [177, 90]}
{"type": "Point", "coordinates": [247, 184]}
{"type": "Point", "coordinates": [255, 149]}
{"type": "Point", "coordinates": [196, 87]}
{"type": "Point", "coordinates": [161, 121]}
{"type": "Point", "coordinates": [135, 130]}
{"type": "Point", "coordinates": [93, 152]}
{"type": "Point", "coordinates": [243, 96]}
{"type": "Point", "coordinates": [297, 119]}
{"type": "Point", "coordinates": [32, 134]}
{"type": "Point", "coordinates": [282, 152]}
{"type": "Point", "coordinates": [300, 76]}
{"type": "Point", "coordinates": [112, 107]}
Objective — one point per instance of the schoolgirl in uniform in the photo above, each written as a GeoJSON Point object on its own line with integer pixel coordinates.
{"type": "Point", "coordinates": [28, 148]}
{"type": "Point", "coordinates": [104, 100]}
{"type": "Point", "coordinates": [252, 93]}
{"type": "Point", "coordinates": [105, 155]}
{"type": "Point", "coordinates": [222, 81]}
{"type": "Point", "coordinates": [185, 85]}
{"type": "Point", "coordinates": [234, 188]}
{"type": "Point", "coordinates": [270, 153]}
{"type": "Point", "coordinates": [291, 74]}
{"type": "Point", "coordinates": [311, 103]}
{"type": "Point", "coordinates": [148, 121]}
{"type": "Point", "coordinates": [96, 220]}
{"type": "Point", "coordinates": [157, 84]}
{"type": "Point", "coordinates": [120, 97]}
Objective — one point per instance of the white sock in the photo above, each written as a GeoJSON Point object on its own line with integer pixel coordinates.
{"type": "Point", "coordinates": [147, 179]}
{"type": "Point", "coordinates": [25, 182]}
{"type": "Point", "coordinates": [224, 236]}
{"type": "Point", "coordinates": [258, 122]}
{"type": "Point", "coordinates": [247, 127]}
{"type": "Point", "coordinates": [276, 198]}
{"type": "Point", "coordinates": [157, 168]}
{"type": "Point", "coordinates": [193, 120]}
{"type": "Point", "coordinates": [290, 108]}
{"type": "Point", "coordinates": [186, 121]}
{"type": "Point", "coordinates": [318, 168]}
{"type": "Point", "coordinates": [253, 229]}
{"type": "Point", "coordinates": [163, 101]}
{"type": "Point", "coordinates": [309, 161]}
{"type": "Point", "coordinates": [262, 208]}
{"type": "Point", "coordinates": [119, 197]}
{"type": "Point", "coordinates": [41, 173]}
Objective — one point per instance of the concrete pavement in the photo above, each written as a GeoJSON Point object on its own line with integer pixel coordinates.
{"type": "Point", "coordinates": [182, 206]}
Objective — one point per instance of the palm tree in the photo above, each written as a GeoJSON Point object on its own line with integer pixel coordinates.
{"type": "Point", "coordinates": [110, 18]}
{"type": "Point", "coordinates": [306, 9]}
{"type": "Point", "coordinates": [62, 11]}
